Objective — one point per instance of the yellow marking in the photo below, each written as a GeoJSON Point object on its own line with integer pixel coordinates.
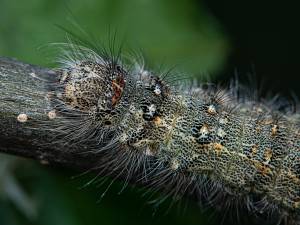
{"type": "Point", "coordinates": [218, 148]}
{"type": "Point", "coordinates": [157, 121]}
{"type": "Point", "coordinates": [258, 127]}
{"type": "Point", "coordinates": [268, 155]}
{"type": "Point", "coordinates": [274, 130]}
{"type": "Point", "coordinates": [254, 150]}
{"type": "Point", "coordinates": [262, 168]}
{"type": "Point", "coordinates": [169, 134]}
{"type": "Point", "coordinates": [204, 130]}
{"type": "Point", "coordinates": [262, 122]}
{"type": "Point", "coordinates": [293, 177]}
{"type": "Point", "coordinates": [211, 109]}
{"type": "Point", "coordinates": [115, 84]}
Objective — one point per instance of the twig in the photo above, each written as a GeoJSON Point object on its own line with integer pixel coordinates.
{"type": "Point", "coordinates": [23, 105]}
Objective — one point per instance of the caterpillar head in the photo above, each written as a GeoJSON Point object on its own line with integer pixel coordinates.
{"type": "Point", "coordinates": [94, 88]}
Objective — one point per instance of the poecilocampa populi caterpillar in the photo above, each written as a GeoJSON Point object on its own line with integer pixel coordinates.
{"type": "Point", "coordinates": [179, 138]}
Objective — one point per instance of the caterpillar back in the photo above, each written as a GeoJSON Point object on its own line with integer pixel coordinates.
{"type": "Point", "coordinates": [180, 139]}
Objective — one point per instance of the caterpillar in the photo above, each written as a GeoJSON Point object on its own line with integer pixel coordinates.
{"type": "Point", "coordinates": [209, 142]}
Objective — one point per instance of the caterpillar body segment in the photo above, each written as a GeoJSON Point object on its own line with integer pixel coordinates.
{"type": "Point", "coordinates": [246, 150]}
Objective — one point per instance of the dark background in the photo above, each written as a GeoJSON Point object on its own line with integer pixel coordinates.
{"type": "Point", "coordinates": [265, 37]}
{"type": "Point", "coordinates": [205, 39]}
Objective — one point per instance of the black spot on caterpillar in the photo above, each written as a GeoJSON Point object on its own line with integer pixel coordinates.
{"type": "Point", "coordinates": [212, 142]}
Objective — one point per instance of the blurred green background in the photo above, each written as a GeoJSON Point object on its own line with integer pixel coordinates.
{"type": "Point", "coordinates": [203, 38]}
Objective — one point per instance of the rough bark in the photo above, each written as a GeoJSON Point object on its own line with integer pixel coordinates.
{"type": "Point", "coordinates": [24, 89]}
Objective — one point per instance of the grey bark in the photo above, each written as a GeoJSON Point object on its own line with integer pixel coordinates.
{"type": "Point", "coordinates": [24, 89]}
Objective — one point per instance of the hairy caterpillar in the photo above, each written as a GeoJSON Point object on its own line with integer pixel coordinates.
{"type": "Point", "coordinates": [212, 143]}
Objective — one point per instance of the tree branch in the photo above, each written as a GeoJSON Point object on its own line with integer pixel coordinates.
{"type": "Point", "coordinates": [23, 90]}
